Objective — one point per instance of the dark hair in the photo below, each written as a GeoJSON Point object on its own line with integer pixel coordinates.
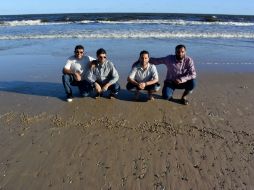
{"type": "Point", "coordinates": [101, 51]}
{"type": "Point", "coordinates": [79, 47]}
{"type": "Point", "coordinates": [179, 47]}
{"type": "Point", "coordinates": [94, 62]}
{"type": "Point", "coordinates": [143, 52]}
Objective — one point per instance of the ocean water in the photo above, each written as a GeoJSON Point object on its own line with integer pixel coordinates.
{"type": "Point", "coordinates": [35, 47]}
{"type": "Point", "coordinates": [126, 26]}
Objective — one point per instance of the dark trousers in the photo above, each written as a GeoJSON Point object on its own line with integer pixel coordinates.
{"type": "Point", "coordinates": [153, 87]}
{"type": "Point", "coordinates": [69, 80]}
{"type": "Point", "coordinates": [113, 88]}
{"type": "Point", "coordinates": [169, 88]}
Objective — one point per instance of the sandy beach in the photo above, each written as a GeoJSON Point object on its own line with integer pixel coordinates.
{"type": "Point", "coordinates": [47, 143]}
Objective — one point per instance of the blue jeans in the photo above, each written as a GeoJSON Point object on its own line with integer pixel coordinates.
{"type": "Point", "coordinates": [68, 81]}
{"type": "Point", "coordinates": [169, 88]}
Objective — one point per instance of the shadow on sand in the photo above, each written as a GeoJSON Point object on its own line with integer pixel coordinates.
{"type": "Point", "coordinates": [56, 90]}
{"type": "Point", "coordinates": [50, 89]}
{"type": "Point", "coordinates": [34, 88]}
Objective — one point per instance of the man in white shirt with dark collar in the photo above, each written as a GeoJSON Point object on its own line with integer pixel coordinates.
{"type": "Point", "coordinates": [143, 76]}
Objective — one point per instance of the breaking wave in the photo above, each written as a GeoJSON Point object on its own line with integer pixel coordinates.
{"type": "Point", "coordinates": [161, 21]}
{"type": "Point", "coordinates": [131, 35]}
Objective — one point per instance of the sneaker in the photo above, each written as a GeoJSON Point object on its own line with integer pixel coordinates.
{"type": "Point", "coordinates": [69, 98]}
{"type": "Point", "coordinates": [84, 94]}
{"type": "Point", "coordinates": [150, 97]}
{"type": "Point", "coordinates": [171, 99]}
{"type": "Point", "coordinates": [97, 95]}
{"type": "Point", "coordinates": [112, 96]}
{"type": "Point", "coordinates": [184, 101]}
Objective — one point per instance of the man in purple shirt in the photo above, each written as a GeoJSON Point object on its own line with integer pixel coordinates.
{"type": "Point", "coordinates": [181, 73]}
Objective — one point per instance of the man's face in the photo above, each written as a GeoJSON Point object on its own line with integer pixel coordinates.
{"type": "Point", "coordinates": [180, 54]}
{"type": "Point", "coordinates": [79, 53]}
{"type": "Point", "coordinates": [144, 59]}
{"type": "Point", "coordinates": [102, 58]}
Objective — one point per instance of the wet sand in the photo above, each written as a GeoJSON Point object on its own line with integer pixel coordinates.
{"type": "Point", "coordinates": [47, 143]}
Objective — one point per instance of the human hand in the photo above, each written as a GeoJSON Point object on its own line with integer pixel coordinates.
{"type": "Point", "coordinates": [177, 81]}
{"type": "Point", "coordinates": [93, 64]}
{"type": "Point", "coordinates": [142, 85]}
{"type": "Point", "coordinates": [105, 87]}
{"type": "Point", "coordinates": [97, 87]}
{"type": "Point", "coordinates": [77, 76]}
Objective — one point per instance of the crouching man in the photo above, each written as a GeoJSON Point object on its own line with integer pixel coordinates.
{"type": "Point", "coordinates": [103, 75]}
{"type": "Point", "coordinates": [143, 76]}
{"type": "Point", "coordinates": [181, 74]}
{"type": "Point", "coordinates": [74, 73]}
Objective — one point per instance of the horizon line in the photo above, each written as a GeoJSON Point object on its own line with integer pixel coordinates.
{"type": "Point", "coordinates": [125, 13]}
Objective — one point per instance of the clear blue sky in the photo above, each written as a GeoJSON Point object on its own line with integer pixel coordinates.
{"type": "Point", "coordinates": [244, 7]}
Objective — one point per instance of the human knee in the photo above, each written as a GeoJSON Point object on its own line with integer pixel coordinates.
{"type": "Point", "coordinates": [66, 78]}
{"type": "Point", "coordinates": [166, 96]}
{"type": "Point", "coordinates": [116, 87]}
{"type": "Point", "coordinates": [167, 92]}
{"type": "Point", "coordinates": [156, 87]}
{"type": "Point", "coordinates": [191, 84]}
{"type": "Point", "coordinates": [130, 87]}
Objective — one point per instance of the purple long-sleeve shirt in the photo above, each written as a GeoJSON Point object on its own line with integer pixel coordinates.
{"type": "Point", "coordinates": [183, 70]}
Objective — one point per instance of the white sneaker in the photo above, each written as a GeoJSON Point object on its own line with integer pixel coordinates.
{"type": "Point", "coordinates": [69, 98]}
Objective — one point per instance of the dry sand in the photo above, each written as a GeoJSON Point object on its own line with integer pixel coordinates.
{"type": "Point", "coordinates": [47, 143]}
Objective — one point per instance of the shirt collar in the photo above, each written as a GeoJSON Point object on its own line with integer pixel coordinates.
{"type": "Point", "coordinates": [140, 66]}
{"type": "Point", "coordinates": [103, 64]}
{"type": "Point", "coordinates": [179, 61]}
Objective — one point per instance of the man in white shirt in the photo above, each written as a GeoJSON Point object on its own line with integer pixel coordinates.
{"type": "Point", "coordinates": [75, 73]}
{"type": "Point", "coordinates": [143, 76]}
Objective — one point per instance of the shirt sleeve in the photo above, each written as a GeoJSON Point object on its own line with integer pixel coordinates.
{"type": "Point", "coordinates": [90, 76]}
{"type": "Point", "coordinates": [158, 61]}
{"type": "Point", "coordinates": [68, 64]}
{"type": "Point", "coordinates": [90, 58]}
{"type": "Point", "coordinates": [114, 74]}
{"type": "Point", "coordinates": [190, 72]}
{"type": "Point", "coordinates": [135, 64]}
{"type": "Point", "coordinates": [133, 73]}
{"type": "Point", "coordinates": [154, 73]}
